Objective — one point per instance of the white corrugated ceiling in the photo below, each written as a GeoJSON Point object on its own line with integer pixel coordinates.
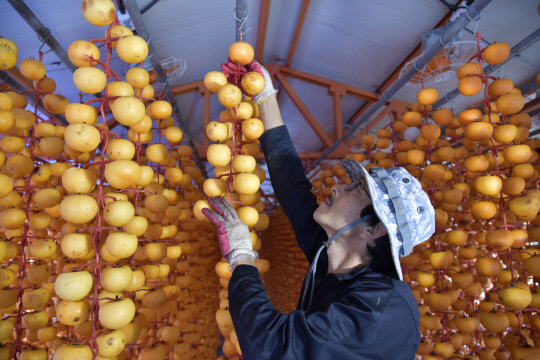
{"type": "Point", "coordinates": [355, 42]}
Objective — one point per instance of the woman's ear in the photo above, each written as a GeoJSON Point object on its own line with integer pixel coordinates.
{"type": "Point", "coordinates": [375, 232]}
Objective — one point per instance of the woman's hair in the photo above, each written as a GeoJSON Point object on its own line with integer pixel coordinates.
{"type": "Point", "coordinates": [381, 252]}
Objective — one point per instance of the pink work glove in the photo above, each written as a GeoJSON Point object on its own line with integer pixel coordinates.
{"type": "Point", "coordinates": [233, 234]}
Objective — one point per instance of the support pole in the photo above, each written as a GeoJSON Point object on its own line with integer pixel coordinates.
{"type": "Point", "coordinates": [515, 51]}
{"type": "Point", "coordinates": [136, 18]}
{"type": "Point", "coordinates": [451, 30]}
{"type": "Point", "coordinates": [241, 13]}
{"type": "Point", "coordinates": [43, 33]}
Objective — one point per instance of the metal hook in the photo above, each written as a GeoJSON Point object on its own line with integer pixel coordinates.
{"type": "Point", "coordinates": [243, 20]}
{"type": "Point", "coordinates": [44, 41]}
{"type": "Point", "coordinates": [444, 44]}
{"type": "Point", "coordinates": [478, 17]}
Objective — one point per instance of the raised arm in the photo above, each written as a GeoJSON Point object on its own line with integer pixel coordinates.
{"type": "Point", "coordinates": [270, 114]}
{"type": "Point", "coordinates": [291, 187]}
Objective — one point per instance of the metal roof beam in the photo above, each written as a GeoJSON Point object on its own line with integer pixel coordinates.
{"type": "Point", "coordinates": [452, 29]}
{"type": "Point", "coordinates": [136, 18]}
{"type": "Point", "coordinates": [44, 33]}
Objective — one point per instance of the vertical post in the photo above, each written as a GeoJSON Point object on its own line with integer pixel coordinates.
{"type": "Point", "coordinates": [337, 93]}
{"type": "Point", "coordinates": [241, 12]}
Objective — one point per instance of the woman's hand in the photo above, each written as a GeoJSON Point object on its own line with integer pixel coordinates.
{"type": "Point", "coordinates": [233, 234]}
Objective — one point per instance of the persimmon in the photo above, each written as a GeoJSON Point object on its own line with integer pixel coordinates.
{"type": "Point", "coordinates": [487, 266]}
{"type": "Point", "coordinates": [89, 79]}
{"type": "Point", "coordinates": [467, 324]}
{"type": "Point", "coordinates": [32, 69]}
{"type": "Point", "coordinates": [412, 118]}
{"type": "Point", "coordinates": [514, 297]}
{"type": "Point", "coordinates": [229, 95]}
{"type": "Point", "coordinates": [500, 87]}
{"type": "Point", "coordinates": [470, 85]}
{"type": "Point", "coordinates": [252, 83]}
{"type": "Point", "coordinates": [456, 237]}
{"type": "Point", "coordinates": [430, 132]}
{"type": "Point", "coordinates": [222, 270]}
{"type": "Point", "coordinates": [132, 49]}
{"type": "Point", "coordinates": [439, 300]}
{"type": "Point", "coordinates": [241, 53]}
{"type": "Point", "coordinates": [488, 185]}
{"type": "Point", "coordinates": [468, 69]}
{"type": "Point", "coordinates": [510, 103]}
{"type": "Point", "coordinates": [427, 96]}
{"type": "Point", "coordinates": [499, 239]}
{"type": "Point", "coordinates": [479, 130]}
{"type": "Point", "coordinates": [214, 80]}
{"type": "Point", "coordinates": [497, 53]}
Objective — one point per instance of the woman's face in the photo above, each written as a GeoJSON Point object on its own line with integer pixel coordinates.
{"type": "Point", "coordinates": [342, 207]}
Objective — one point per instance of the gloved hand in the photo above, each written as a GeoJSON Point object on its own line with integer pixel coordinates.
{"type": "Point", "coordinates": [233, 234]}
{"type": "Point", "coordinates": [268, 89]}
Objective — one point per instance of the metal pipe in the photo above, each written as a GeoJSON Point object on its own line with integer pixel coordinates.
{"type": "Point", "coordinates": [451, 30]}
{"type": "Point", "coordinates": [515, 51]}
{"type": "Point", "coordinates": [241, 13]}
{"type": "Point", "coordinates": [136, 18]}
{"type": "Point", "coordinates": [44, 33]}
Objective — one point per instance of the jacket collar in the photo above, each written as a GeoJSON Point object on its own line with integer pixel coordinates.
{"type": "Point", "coordinates": [354, 273]}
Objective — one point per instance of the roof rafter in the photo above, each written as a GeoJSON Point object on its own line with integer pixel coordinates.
{"type": "Point", "coordinates": [297, 30]}
{"type": "Point", "coordinates": [261, 29]}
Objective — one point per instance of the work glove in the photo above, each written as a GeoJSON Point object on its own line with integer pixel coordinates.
{"type": "Point", "coordinates": [268, 89]}
{"type": "Point", "coordinates": [233, 234]}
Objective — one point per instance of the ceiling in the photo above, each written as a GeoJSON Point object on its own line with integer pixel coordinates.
{"type": "Point", "coordinates": [358, 43]}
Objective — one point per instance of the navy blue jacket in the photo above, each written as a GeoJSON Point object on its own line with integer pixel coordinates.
{"type": "Point", "coordinates": [359, 315]}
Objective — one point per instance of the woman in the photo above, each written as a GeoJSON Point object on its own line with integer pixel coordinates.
{"type": "Point", "coordinates": [353, 304]}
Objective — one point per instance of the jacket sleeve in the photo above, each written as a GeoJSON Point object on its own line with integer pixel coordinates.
{"type": "Point", "coordinates": [292, 188]}
{"type": "Point", "coordinates": [265, 333]}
